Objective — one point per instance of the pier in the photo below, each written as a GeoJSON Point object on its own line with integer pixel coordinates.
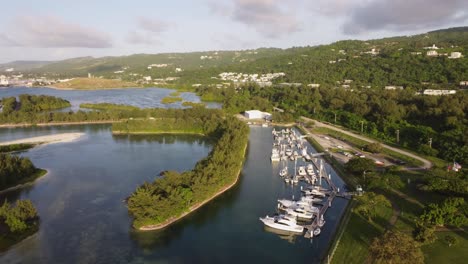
{"type": "Point", "coordinates": [287, 146]}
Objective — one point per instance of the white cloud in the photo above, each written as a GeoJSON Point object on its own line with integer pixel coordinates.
{"type": "Point", "coordinates": [270, 18]}
{"type": "Point", "coordinates": [50, 31]}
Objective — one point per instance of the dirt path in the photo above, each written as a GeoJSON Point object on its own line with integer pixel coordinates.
{"type": "Point", "coordinates": [427, 163]}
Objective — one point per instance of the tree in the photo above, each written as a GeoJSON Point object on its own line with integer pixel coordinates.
{"type": "Point", "coordinates": [384, 181]}
{"type": "Point", "coordinates": [369, 202]}
{"type": "Point", "coordinates": [396, 247]}
{"type": "Point", "coordinates": [424, 233]}
{"type": "Point", "coordinates": [450, 240]}
{"type": "Point", "coordinates": [357, 166]}
{"type": "Point", "coordinates": [451, 212]}
{"type": "Point", "coordinates": [374, 147]}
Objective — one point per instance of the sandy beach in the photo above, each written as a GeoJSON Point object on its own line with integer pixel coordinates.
{"type": "Point", "coordinates": [57, 138]}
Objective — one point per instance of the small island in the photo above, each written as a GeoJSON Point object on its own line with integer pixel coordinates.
{"type": "Point", "coordinates": [167, 199]}
{"type": "Point", "coordinates": [171, 100]}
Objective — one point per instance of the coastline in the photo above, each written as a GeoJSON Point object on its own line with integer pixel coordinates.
{"type": "Point", "coordinates": [28, 182]}
{"type": "Point", "coordinates": [197, 206]}
{"type": "Point", "coordinates": [59, 123]}
{"type": "Point", "coordinates": [49, 139]}
{"type": "Point", "coordinates": [89, 89]}
{"type": "Point", "coordinates": [156, 133]}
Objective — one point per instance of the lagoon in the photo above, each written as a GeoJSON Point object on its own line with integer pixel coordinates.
{"type": "Point", "coordinates": [83, 218]}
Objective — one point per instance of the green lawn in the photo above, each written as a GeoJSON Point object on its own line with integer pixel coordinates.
{"type": "Point", "coordinates": [440, 252]}
{"type": "Point", "coordinates": [358, 235]}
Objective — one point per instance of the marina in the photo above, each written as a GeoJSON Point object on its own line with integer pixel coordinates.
{"type": "Point", "coordinates": [318, 191]}
{"type": "Point", "coordinates": [83, 218]}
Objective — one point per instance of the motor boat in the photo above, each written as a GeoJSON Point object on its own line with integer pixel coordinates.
{"type": "Point", "coordinates": [301, 171]}
{"type": "Point", "coordinates": [310, 170]}
{"type": "Point", "coordinates": [299, 212]}
{"type": "Point", "coordinates": [275, 156]}
{"type": "Point", "coordinates": [282, 222]}
{"type": "Point", "coordinates": [284, 171]}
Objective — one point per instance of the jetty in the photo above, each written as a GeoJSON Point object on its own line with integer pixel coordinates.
{"type": "Point", "coordinates": [290, 145]}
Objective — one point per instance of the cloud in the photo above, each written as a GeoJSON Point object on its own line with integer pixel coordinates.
{"type": "Point", "coordinates": [404, 15]}
{"type": "Point", "coordinates": [148, 31]}
{"type": "Point", "coordinates": [271, 18]}
{"type": "Point", "coordinates": [153, 25]}
{"type": "Point", "coordinates": [49, 32]}
{"type": "Point", "coordinates": [136, 37]}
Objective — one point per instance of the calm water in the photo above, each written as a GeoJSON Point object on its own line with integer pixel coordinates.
{"type": "Point", "coordinates": [83, 219]}
{"type": "Point", "coordinates": [144, 98]}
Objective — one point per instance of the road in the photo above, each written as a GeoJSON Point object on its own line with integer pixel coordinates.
{"type": "Point", "coordinates": [426, 163]}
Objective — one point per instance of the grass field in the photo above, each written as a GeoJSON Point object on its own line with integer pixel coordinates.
{"type": "Point", "coordinates": [171, 100]}
{"type": "Point", "coordinates": [94, 84]}
{"type": "Point", "coordinates": [358, 235]}
{"type": "Point", "coordinates": [440, 252]}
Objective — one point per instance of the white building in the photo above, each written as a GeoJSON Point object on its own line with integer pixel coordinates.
{"type": "Point", "coordinates": [313, 85]}
{"type": "Point", "coordinates": [464, 83]}
{"type": "Point", "coordinates": [432, 53]}
{"type": "Point", "coordinates": [147, 78]}
{"type": "Point", "coordinates": [256, 114]}
{"type": "Point", "coordinates": [434, 47]}
{"type": "Point", "coordinates": [10, 69]}
{"type": "Point", "coordinates": [392, 87]}
{"type": "Point", "coordinates": [178, 69]}
{"type": "Point", "coordinates": [3, 81]}
{"type": "Point", "coordinates": [455, 55]}
{"type": "Point", "coordinates": [439, 92]}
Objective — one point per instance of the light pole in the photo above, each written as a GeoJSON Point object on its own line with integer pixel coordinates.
{"type": "Point", "coordinates": [362, 126]}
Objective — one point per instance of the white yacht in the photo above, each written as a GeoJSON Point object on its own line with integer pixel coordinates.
{"type": "Point", "coordinates": [321, 221]}
{"type": "Point", "coordinates": [275, 156]}
{"type": "Point", "coordinates": [282, 222]}
{"type": "Point", "coordinates": [310, 170]}
{"type": "Point", "coordinates": [289, 152]}
{"type": "Point", "coordinates": [299, 212]}
{"type": "Point", "coordinates": [284, 171]}
{"type": "Point", "coordinates": [301, 171]}
{"type": "Point", "coordinates": [314, 192]}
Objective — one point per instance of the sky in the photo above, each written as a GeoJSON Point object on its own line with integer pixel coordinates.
{"type": "Point", "coordinates": [61, 29]}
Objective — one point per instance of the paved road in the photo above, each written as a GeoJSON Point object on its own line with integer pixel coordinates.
{"type": "Point", "coordinates": [426, 163]}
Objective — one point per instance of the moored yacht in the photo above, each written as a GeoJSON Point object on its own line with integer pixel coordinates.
{"type": "Point", "coordinates": [282, 222]}
{"type": "Point", "coordinates": [275, 156]}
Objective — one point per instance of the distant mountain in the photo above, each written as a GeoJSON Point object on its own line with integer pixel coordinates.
{"type": "Point", "coordinates": [139, 63]}
{"type": "Point", "coordinates": [23, 65]}
{"type": "Point", "coordinates": [400, 60]}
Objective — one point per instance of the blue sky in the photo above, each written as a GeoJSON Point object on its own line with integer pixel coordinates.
{"type": "Point", "coordinates": [54, 29]}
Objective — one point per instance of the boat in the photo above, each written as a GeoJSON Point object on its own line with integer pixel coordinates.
{"type": "Point", "coordinates": [287, 179]}
{"type": "Point", "coordinates": [299, 212]}
{"type": "Point", "coordinates": [284, 171]}
{"type": "Point", "coordinates": [288, 152]}
{"type": "Point", "coordinates": [317, 231]}
{"type": "Point", "coordinates": [275, 155]}
{"type": "Point", "coordinates": [313, 192]}
{"type": "Point", "coordinates": [301, 171]}
{"type": "Point", "coordinates": [305, 201]}
{"type": "Point", "coordinates": [321, 221]}
{"type": "Point", "coordinates": [282, 222]}
{"type": "Point", "coordinates": [310, 170]}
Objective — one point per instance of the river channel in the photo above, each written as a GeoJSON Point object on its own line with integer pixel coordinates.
{"type": "Point", "coordinates": [84, 218]}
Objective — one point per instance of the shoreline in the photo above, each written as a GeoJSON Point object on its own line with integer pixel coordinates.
{"type": "Point", "coordinates": [88, 89]}
{"type": "Point", "coordinates": [59, 123]}
{"type": "Point", "coordinates": [43, 174]}
{"type": "Point", "coordinates": [197, 206]}
{"type": "Point", "coordinates": [49, 139]}
{"type": "Point", "coordinates": [120, 133]}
